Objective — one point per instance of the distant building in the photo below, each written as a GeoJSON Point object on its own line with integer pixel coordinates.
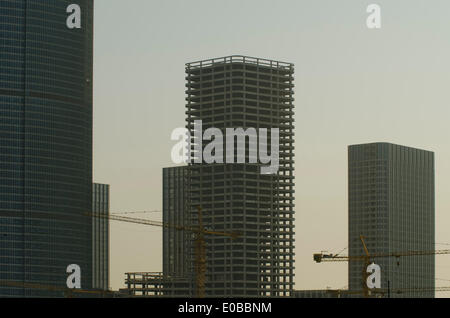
{"type": "Point", "coordinates": [176, 280]}
{"type": "Point", "coordinates": [176, 243]}
{"type": "Point", "coordinates": [392, 204]}
{"type": "Point", "coordinates": [100, 237]}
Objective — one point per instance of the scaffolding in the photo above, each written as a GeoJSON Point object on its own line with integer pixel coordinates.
{"type": "Point", "coordinates": [156, 284]}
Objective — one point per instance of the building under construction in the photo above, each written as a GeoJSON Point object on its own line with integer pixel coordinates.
{"type": "Point", "coordinates": [157, 285]}
{"type": "Point", "coordinates": [234, 92]}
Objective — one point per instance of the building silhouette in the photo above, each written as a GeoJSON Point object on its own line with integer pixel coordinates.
{"type": "Point", "coordinates": [392, 204]}
{"type": "Point", "coordinates": [100, 236]}
{"type": "Point", "coordinates": [45, 145]}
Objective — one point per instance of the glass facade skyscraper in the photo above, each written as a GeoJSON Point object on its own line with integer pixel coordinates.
{"type": "Point", "coordinates": [100, 236]}
{"type": "Point", "coordinates": [45, 144]}
{"type": "Point", "coordinates": [176, 243]}
{"type": "Point", "coordinates": [392, 204]}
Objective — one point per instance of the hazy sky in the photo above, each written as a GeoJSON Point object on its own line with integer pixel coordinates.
{"type": "Point", "coordinates": [353, 85]}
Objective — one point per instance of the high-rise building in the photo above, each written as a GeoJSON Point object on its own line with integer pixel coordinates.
{"type": "Point", "coordinates": [244, 92]}
{"type": "Point", "coordinates": [45, 144]}
{"type": "Point", "coordinates": [100, 236]}
{"type": "Point", "coordinates": [391, 203]}
{"type": "Point", "coordinates": [176, 243]}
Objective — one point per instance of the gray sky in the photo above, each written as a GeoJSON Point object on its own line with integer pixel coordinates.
{"type": "Point", "coordinates": [353, 85]}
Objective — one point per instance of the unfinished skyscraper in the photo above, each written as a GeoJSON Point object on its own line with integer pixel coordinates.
{"type": "Point", "coordinates": [244, 92]}
{"type": "Point", "coordinates": [231, 92]}
{"type": "Point", "coordinates": [391, 203]}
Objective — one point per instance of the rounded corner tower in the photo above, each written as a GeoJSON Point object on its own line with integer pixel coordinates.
{"type": "Point", "coordinates": [45, 145]}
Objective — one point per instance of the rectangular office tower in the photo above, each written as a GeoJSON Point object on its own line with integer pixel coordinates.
{"type": "Point", "coordinates": [176, 246]}
{"type": "Point", "coordinates": [244, 92]}
{"type": "Point", "coordinates": [100, 236]}
{"type": "Point", "coordinates": [391, 203]}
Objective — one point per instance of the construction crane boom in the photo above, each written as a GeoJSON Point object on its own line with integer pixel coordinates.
{"type": "Point", "coordinates": [199, 241]}
{"type": "Point", "coordinates": [322, 257]}
{"type": "Point", "coordinates": [116, 217]}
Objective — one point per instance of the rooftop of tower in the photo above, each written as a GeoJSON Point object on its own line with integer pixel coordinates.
{"type": "Point", "coordinates": [240, 59]}
{"type": "Point", "coordinates": [387, 143]}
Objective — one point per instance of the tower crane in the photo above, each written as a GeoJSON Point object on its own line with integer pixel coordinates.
{"type": "Point", "coordinates": [322, 257]}
{"type": "Point", "coordinates": [199, 241]}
